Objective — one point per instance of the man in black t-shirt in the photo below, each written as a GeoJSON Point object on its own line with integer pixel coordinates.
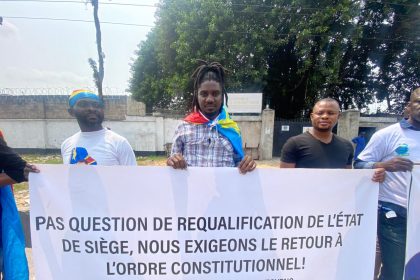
{"type": "Point", "coordinates": [319, 147]}
{"type": "Point", "coordinates": [306, 151]}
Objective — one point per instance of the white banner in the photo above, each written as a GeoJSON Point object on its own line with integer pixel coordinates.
{"type": "Point", "coordinates": [98, 222]}
{"type": "Point", "coordinates": [412, 268]}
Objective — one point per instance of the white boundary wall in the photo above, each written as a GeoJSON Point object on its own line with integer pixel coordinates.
{"type": "Point", "coordinates": [145, 134]}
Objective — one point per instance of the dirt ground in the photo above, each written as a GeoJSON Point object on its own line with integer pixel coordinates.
{"type": "Point", "coordinates": [23, 201]}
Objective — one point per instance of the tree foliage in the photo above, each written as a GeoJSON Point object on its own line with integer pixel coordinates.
{"type": "Point", "coordinates": [294, 51]}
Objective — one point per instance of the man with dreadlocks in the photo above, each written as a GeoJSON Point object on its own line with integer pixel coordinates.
{"type": "Point", "coordinates": [208, 137]}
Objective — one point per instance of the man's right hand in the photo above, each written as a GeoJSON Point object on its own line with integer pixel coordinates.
{"type": "Point", "coordinates": [177, 161]}
{"type": "Point", "coordinates": [29, 168]}
{"type": "Point", "coordinates": [396, 164]}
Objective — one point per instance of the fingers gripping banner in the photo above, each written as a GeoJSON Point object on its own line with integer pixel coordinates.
{"type": "Point", "coordinates": [412, 268]}
{"type": "Point", "coordinates": [98, 222]}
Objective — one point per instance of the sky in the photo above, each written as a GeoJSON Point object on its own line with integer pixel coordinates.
{"type": "Point", "coordinates": [54, 54]}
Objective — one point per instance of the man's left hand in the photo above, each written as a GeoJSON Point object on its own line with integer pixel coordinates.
{"type": "Point", "coordinates": [247, 164]}
{"type": "Point", "coordinates": [379, 175]}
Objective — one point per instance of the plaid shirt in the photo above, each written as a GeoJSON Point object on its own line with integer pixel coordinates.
{"type": "Point", "coordinates": [202, 146]}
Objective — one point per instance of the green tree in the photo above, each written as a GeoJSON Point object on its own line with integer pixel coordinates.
{"type": "Point", "coordinates": [295, 51]}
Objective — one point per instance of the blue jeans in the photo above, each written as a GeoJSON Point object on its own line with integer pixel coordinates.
{"type": "Point", "coordinates": [392, 233]}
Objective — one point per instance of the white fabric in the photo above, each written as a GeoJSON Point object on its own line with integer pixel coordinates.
{"type": "Point", "coordinates": [319, 223]}
{"type": "Point", "coordinates": [381, 147]}
{"type": "Point", "coordinates": [104, 146]}
{"type": "Point", "coordinates": [413, 229]}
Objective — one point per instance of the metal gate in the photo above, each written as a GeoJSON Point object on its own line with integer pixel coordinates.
{"type": "Point", "coordinates": [284, 129]}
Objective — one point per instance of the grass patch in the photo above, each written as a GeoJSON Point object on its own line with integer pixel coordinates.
{"type": "Point", "coordinates": [151, 160]}
{"type": "Point", "coordinates": [21, 186]}
{"type": "Point", "coordinates": [43, 159]}
{"type": "Point", "coordinates": [37, 159]}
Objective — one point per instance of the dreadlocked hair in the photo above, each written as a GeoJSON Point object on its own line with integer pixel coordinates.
{"type": "Point", "coordinates": [208, 71]}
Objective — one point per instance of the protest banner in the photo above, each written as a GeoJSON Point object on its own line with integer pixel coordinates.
{"type": "Point", "coordinates": [412, 268]}
{"type": "Point", "coordinates": [99, 222]}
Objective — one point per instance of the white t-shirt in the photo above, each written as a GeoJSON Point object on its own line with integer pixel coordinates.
{"type": "Point", "coordinates": [103, 147]}
{"type": "Point", "coordinates": [381, 147]}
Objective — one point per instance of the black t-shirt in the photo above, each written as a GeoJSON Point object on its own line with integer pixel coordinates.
{"type": "Point", "coordinates": [11, 163]}
{"type": "Point", "coordinates": [308, 152]}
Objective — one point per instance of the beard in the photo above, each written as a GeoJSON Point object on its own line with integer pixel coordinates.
{"type": "Point", "coordinates": [91, 122]}
{"type": "Point", "coordinates": [321, 129]}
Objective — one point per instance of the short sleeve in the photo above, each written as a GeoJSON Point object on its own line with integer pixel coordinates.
{"type": "Point", "coordinates": [374, 150]}
{"type": "Point", "coordinates": [178, 140]}
{"type": "Point", "coordinates": [126, 154]}
{"type": "Point", "coordinates": [11, 163]}
{"type": "Point", "coordinates": [288, 152]}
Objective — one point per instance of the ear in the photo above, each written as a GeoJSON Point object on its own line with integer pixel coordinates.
{"type": "Point", "coordinates": [407, 109]}
{"type": "Point", "coordinates": [71, 112]}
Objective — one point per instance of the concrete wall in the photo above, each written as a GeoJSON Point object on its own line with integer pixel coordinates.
{"type": "Point", "coordinates": [41, 122]}
{"type": "Point", "coordinates": [145, 134]}
{"type": "Point", "coordinates": [55, 107]}
{"type": "Point", "coordinates": [350, 122]}
{"type": "Point", "coordinates": [377, 122]}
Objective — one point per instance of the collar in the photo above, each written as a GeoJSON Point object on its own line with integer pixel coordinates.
{"type": "Point", "coordinates": [213, 121]}
{"type": "Point", "coordinates": [406, 125]}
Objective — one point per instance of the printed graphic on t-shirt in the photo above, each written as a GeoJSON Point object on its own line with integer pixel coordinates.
{"type": "Point", "coordinates": [80, 155]}
{"type": "Point", "coordinates": [402, 150]}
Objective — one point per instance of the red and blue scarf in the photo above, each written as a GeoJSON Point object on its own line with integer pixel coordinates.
{"type": "Point", "coordinates": [225, 126]}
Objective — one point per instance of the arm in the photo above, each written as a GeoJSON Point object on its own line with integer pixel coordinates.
{"type": "Point", "coordinates": [372, 153]}
{"type": "Point", "coordinates": [288, 154]}
{"type": "Point", "coordinates": [395, 164]}
{"type": "Point", "coordinates": [369, 159]}
{"type": "Point", "coordinates": [176, 160]}
{"type": "Point", "coordinates": [5, 180]}
{"type": "Point", "coordinates": [379, 175]}
{"type": "Point", "coordinates": [126, 154]}
{"type": "Point", "coordinates": [287, 165]}
{"type": "Point", "coordinates": [11, 163]}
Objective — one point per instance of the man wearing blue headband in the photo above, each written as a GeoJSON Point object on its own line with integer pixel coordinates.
{"type": "Point", "coordinates": [94, 144]}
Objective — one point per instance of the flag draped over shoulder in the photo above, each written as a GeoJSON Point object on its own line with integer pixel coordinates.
{"type": "Point", "coordinates": [225, 126]}
{"type": "Point", "coordinates": [15, 266]}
